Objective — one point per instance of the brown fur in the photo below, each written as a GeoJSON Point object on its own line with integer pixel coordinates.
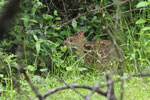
{"type": "Point", "coordinates": [101, 52]}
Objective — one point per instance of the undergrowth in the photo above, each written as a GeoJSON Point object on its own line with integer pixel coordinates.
{"type": "Point", "coordinates": [38, 33]}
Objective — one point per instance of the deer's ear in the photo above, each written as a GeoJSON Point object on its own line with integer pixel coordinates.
{"type": "Point", "coordinates": [81, 34]}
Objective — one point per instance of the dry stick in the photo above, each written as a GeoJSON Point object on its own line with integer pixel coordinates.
{"type": "Point", "coordinates": [117, 15]}
{"type": "Point", "coordinates": [20, 53]}
{"type": "Point", "coordinates": [61, 80]}
{"type": "Point", "coordinates": [130, 9]}
{"type": "Point", "coordinates": [126, 78]}
{"type": "Point", "coordinates": [52, 91]}
{"type": "Point", "coordinates": [136, 9]}
{"type": "Point", "coordinates": [19, 89]}
{"type": "Point", "coordinates": [90, 12]}
{"type": "Point", "coordinates": [92, 92]}
{"type": "Point", "coordinates": [64, 6]}
{"type": "Point", "coordinates": [122, 90]}
{"type": "Point", "coordinates": [114, 42]}
{"type": "Point", "coordinates": [34, 89]}
{"type": "Point", "coordinates": [114, 38]}
{"type": "Point", "coordinates": [110, 91]}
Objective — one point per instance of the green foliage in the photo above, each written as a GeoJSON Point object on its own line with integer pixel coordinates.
{"type": "Point", "coordinates": [140, 39]}
{"type": "Point", "coordinates": [39, 29]}
{"type": "Point", "coordinates": [143, 4]}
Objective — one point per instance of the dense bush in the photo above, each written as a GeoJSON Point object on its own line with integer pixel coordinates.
{"type": "Point", "coordinates": [37, 27]}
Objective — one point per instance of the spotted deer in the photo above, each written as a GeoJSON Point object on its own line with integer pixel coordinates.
{"type": "Point", "coordinates": [102, 52]}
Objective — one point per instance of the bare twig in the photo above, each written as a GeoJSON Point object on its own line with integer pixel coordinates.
{"type": "Point", "coordinates": [64, 5]}
{"type": "Point", "coordinates": [130, 9]}
{"type": "Point", "coordinates": [92, 92]}
{"type": "Point", "coordinates": [118, 15]}
{"type": "Point", "coordinates": [122, 90]}
{"type": "Point", "coordinates": [34, 89]}
{"type": "Point", "coordinates": [110, 91]}
{"type": "Point", "coordinates": [126, 78]}
{"type": "Point", "coordinates": [61, 80]}
{"type": "Point", "coordinates": [52, 91]}
{"type": "Point", "coordinates": [136, 9]}
{"type": "Point", "coordinates": [90, 12]}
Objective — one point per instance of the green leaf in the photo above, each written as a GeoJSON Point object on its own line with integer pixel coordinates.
{"type": "Point", "coordinates": [39, 3]}
{"type": "Point", "coordinates": [141, 21]}
{"type": "Point", "coordinates": [83, 18]}
{"type": "Point", "coordinates": [55, 13]}
{"type": "Point", "coordinates": [142, 4]}
{"type": "Point", "coordinates": [148, 49]}
{"type": "Point", "coordinates": [47, 17]}
{"type": "Point", "coordinates": [36, 78]}
{"type": "Point", "coordinates": [82, 69]}
{"type": "Point", "coordinates": [69, 68]}
{"type": "Point", "coordinates": [44, 69]}
{"type": "Point", "coordinates": [33, 20]}
{"type": "Point", "coordinates": [35, 37]}
{"type": "Point", "coordinates": [24, 19]}
{"type": "Point", "coordinates": [57, 18]}
{"type": "Point", "coordinates": [1, 89]}
{"type": "Point", "coordinates": [145, 28]}
{"type": "Point", "coordinates": [74, 23]}
{"type": "Point", "coordinates": [63, 48]}
{"type": "Point", "coordinates": [38, 47]}
{"type": "Point", "coordinates": [57, 28]}
{"type": "Point", "coordinates": [30, 68]}
{"type": "Point", "coordinates": [1, 75]}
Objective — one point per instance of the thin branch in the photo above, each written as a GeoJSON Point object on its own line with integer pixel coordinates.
{"type": "Point", "coordinates": [122, 90]}
{"type": "Point", "coordinates": [34, 89]}
{"type": "Point", "coordinates": [136, 9]}
{"type": "Point", "coordinates": [64, 6]}
{"type": "Point", "coordinates": [61, 80]}
{"type": "Point", "coordinates": [126, 78]}
{"type": "Point", "coordinates": [110, 85]}
{"type": "Point", "coordinates": [52, 91]}
{"type": "Point", "coordinates": [92, 92]}
{"type": "Point", "coordinates": [90, 12]}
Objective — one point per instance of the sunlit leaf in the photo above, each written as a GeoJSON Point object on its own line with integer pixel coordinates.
{"type": "Point", "coordinates": [35, 37]}
{"type": "Point", "coordinates": [57, 18]}
{"type": "Point", "coordinates": [38, 47]}
{"type": "Point", "coordinates": [63, 48]}
{"type": "Point", "coordinates": [74, 23]}
{"type": "Point", "coordinates": [145, 28]}
{"type": "Point", "coordinates": [55, 13]}
{"type": "Point", "coordinates": [1, 75]}
{"type": "Point", "coordinates": [141, 21]}
{"type": "Point", "coordinates": [1, 89]}
{"type": "Point", "coordinates": [44, 69]}
{"type": "Point", "coordinates": [69, 68]}
{"type": "Point", "coordinates": [142, 4]}
{"type": "Point", "coordinates": [30, 68]}
{"type": "Point", "coordinates": [47, 17]}
{"type": "Point", "coordinates": [34, 21]}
